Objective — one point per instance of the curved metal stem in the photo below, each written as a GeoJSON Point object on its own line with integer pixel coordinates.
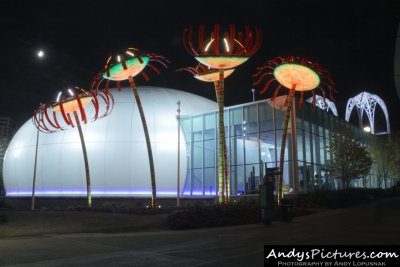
{"type": "Point", "coordinates": [221, 134]}
{"type": "Point", "coordinates": [85, 158]}
{"type": "Point", "coordinates": [283, 142]}
{"type": "Point", "coordinates": [146, 134]}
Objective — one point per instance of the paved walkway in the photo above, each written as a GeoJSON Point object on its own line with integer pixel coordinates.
{"type": "Point", "coordinates": [373, 223]}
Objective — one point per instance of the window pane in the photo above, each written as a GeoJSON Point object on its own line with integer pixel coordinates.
{"type": "Point", "coordinates": [210, 181]}
{"type": "Point", "coordinates": [265, 117]}
{"type": "Point", "coordinates": [209, 126]}
{"type": "Point", "coordinates": [251, 148]}
{"type": "Point", "coordinates": [236, 152]}
{"type": "Point", "coordinates": [197, 183]}
{"type": "Point", "coordinates": [250, 119]}
{"type": "Point", "coordinates": [209, 153]}
{"type": "Point", "coordinates": [267, 145]}
{"type": "Point", "coordinates": [197, 155]}
{"type": "Point", "coordinates": [197, 128]}
{"type": "Point", "coordinates": [236, 122]}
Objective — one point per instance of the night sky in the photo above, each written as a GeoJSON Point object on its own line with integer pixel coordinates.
{"type": "Point", "coordinates": [353, 40]}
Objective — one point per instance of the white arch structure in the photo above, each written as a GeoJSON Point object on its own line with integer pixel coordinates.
{"type": "Point", "coordinates": [327, 105]}
{"type": "Point", "coordinates": [366, 102]}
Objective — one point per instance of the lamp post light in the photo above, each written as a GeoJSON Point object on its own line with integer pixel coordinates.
{"type": "Point", "coordinates": [253, 91]}
{"type": "Point", "coordinates": [295, 74]}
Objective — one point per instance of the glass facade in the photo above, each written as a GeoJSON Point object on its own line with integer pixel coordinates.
{"type": "Point", "coordinates": [253, 138]}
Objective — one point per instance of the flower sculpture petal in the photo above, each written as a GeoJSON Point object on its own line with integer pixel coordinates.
{"type": "Point", "coordinates": [130, 63]}
{"type": "Point", "coordinates": [222, 51]}
{"type": "Point", "coordinates": [295, 74]}
{"type": "Point", "coordinates": [56, 116]}
{"type": "Point", "coordinates": [126, 66]}
{"type": "Point", "coordinates": [206, 74]}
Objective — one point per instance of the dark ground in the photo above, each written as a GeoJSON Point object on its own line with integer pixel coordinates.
{"type": "Point", "coordinates": [373, 223]}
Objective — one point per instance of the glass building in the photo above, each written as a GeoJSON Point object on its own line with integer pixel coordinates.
{"type": "Point", "coordinates": [253, 138]}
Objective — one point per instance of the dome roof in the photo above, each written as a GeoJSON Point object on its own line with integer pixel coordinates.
{"type": "Point", "coordinates": [116, 149]}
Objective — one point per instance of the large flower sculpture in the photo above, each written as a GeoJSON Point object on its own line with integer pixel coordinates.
{"type": "Point", "coordinates": [125, 66]}
{"type": "Point", "coordinates": [221, 50]}
{"type": "Point", "coordinates": [206, 74]}
{"type": "Point", "coordinates": [70, 111]}
{"type": "Point", "coordinates": [295, 74]}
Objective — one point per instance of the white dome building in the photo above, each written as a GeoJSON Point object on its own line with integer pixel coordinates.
{"type": "Point", "coordinates": [116, 147]}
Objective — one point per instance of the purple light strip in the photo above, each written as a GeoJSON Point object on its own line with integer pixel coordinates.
{"type": "Point", "coordinates": [83, 193]}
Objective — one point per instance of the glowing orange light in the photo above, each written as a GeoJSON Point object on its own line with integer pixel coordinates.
{"type": "Point", "coordinates": [213, 75]}
{"type": "Point", "coordinates": [71, 105]}
{"type": "Point", "coordinates": [222, 62]}
{"type": "Point", "coordinates": [296, 76]}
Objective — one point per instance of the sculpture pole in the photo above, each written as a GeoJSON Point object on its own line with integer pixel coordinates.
{"type": "Point", "coordinates": [85, 159]}
{"type": "Point", "coordinates": [34, 171]}
{"type": "Point", "coordinates": [283, 142]}
{"type": "Point", "coordinates": [221, 134]}
{"type": "Point", "coordinates": [178, 116]}
{"type": "Point", "coordinates": [146, 134]}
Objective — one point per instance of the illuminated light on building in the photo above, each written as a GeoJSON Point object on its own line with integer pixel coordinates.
{"type": "Point", "coordinates": [366, 103]}
{"type": "Point", "coordinates": [367, 129]}
{"type": "Point", "coordinates": [324, 104]}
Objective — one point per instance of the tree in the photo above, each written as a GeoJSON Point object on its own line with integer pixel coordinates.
{"type": "Point", "coordinates": [385, 154]}
{"type": "Point", "coordinates": [394, 147]}
{"type": "Point", "coordinates": [349, 158]}
{"type": "Point", "coordinates": [381, 159]}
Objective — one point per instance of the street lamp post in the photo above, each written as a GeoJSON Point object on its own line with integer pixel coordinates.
{"type": "Point", "coordinates": [34, 170]}
{"type": "Point", "coordinates": [253, 91]}
{"type": "Point", "coordinates": [178, 117]}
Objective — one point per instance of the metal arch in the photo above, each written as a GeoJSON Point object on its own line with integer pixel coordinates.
{"type": "Point", "coordinates": [366, 102]}
{"type": "Point", "coordinates": [324, 105]}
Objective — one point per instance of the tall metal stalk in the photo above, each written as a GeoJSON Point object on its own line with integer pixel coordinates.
{"type": "Point", "coordinates": [283, 142]}
{"type": "Point", "coordinates": [85, 158]}
{"type": "Point", "coordinates": [146, 134]}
